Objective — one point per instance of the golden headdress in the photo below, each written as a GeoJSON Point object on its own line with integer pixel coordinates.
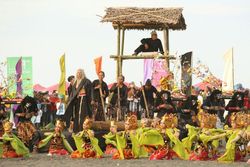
{"type": "Point", "coordinates": [132, 122]}
{"type": "Point", "coordinates": [208, 120]}
{"type": "Point", "coordinates": [145, 122]}
{"type": "Point", "coordinates": [112, 124]}
{"type": "Point", "coordinates": [170, 120]}
{"type": "Point", "coordinates": [60, 124]}
{"type": "Point", "coordinates": [88, 121]}
{"type": "Point", "coordinates": [239, 119]}
{"type": "Point", "coordinates": [7, 125]}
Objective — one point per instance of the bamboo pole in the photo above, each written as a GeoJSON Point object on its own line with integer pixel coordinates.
{"type": "Point", "coordinates": [102, 101]}
{"type": "Point", "coordinates": [123, 38]}
{"type": "Point", "coordinates": [118, 51]}
{"type": "Point", "coordinates": [122, 49]}
{"type": "Point", "coordinates": [130, 57]}
{"type": "Point", "coordinates": [118, 103]}
{"type": "Point", "coordinates": [145, 101]}
{"type": "Point", "coordinates": [166, 45]}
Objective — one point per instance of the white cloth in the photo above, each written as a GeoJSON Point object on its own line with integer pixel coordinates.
{"type": "Point", "coordinates": [60, 108]}
{"type": "Point", "coordinates": [228, 76]}
{"type": "Point", "coordinates": [39, 116]}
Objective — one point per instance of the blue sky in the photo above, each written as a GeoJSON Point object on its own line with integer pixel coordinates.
{"type": "Point", "coordinates": [45, 29]}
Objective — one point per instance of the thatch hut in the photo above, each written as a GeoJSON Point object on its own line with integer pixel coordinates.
{"type": "Point", "coordinates": [146, 18]}
{"type": "Point", "coordinates": [128, 18]}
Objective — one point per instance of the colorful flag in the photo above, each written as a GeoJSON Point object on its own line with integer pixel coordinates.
{"type": "Point", "coordinates": [19, 89]}
{"type": "Point", "coordinates": [228, 76]}
{"type": "Point", "coordinates": [186, 74]}
{"type": "Point", "coordinates": [148, 69]}
{"type": "Point", "coordinates": [98, 64]}
{"type": "Point", "coordinates": [62, 82]}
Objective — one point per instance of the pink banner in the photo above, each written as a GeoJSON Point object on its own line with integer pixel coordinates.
{"type": "Point", "coordinates": [155, 70]}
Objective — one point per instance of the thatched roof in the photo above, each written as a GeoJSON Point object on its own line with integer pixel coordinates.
{"type": "Point", "coordinates": [146, 18]}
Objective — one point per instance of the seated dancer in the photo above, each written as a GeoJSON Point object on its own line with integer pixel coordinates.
{"type": "Point", "coordinates": [150, 92]}
{"type": "Point", "coordinates": [110, 140]}
{"type": "Point", "coordinates": [127, 141]}
{"type": "Point", "coordinates": [215, 104]}
{"type": "Point", "coordinates": [119, 98]}
{"type": "Point", "coordinates": [100, 91]}
{"type": "Point", "coordinates": [149, 137]}
{"type": "Point", "coordinates": [155, 124]}
{"type": "Point", "coordinates": [238, 138]}
{"type": "Point", "coordinates": [57, 142]}
{"type": "Point", "coordinates": [164, 104]}
{"type": "Point", "coordinates": [188, 115]}
{"type": "Point", "coordinates": [236, 104]}
{"type": "Point", "coordinates": [12, 146]}
{"type": "Point", "coordinates": [25, 129]}
{"type": "Point", "coordinates": [172, 146]}
{"type": "Point", "coordinates": [86, 144]}
{"type": "Point", "coordinates": [203, 142]}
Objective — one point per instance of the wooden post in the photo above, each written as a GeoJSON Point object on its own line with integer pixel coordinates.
{"type": "Point", "coordinates": [122, 49]}
{"type": "Point", "coordinates": [166, 44]}
{"type": "Point", "coordinates": [123, 37]}
{"type": "Point", "coordinates": [118, 51]}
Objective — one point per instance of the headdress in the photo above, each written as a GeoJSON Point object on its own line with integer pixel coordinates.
{"type": "Point", "coordinates": [170, 120]}
{"type": "Point", "coordinates": [208, 120]}
{"type": "Point", "coordinates": [132, 122]}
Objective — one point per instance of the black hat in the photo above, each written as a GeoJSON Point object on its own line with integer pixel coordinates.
{"type": "Point", "coordinates": [70, 78]}
{"type": "Point", "coordinates": [148, 82]}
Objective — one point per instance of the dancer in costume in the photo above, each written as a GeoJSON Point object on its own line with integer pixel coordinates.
{"type": "Point", "coordinates": [111, 141]}
{"type": "Point", "coordinates": [236, 104]}
{"type": "Point", "coordinates": [25, 128]}
{"type": "Point", "coordinates": [56, 141]}
{"type": "Point", "coordinates": [215, 104]}
{"type": "Point", "coordinates": [164, 104]}
{"type": "Point", "coordinates": [128, 144]}
{"type": "Point", "coordinates": [12, 146]}
{"type": "Point", "coordinates": [238, 138]}
{"type": "Point", "coordinates": [149, 137]}
{"type": "Point", "coordinates": [205, 139]}
{"type": "Point", "coordinates": [86, 144]}
{"type": "Point", "coordinates": [172, 145]}
{"type": "Point", "coordinates": [188, 115]}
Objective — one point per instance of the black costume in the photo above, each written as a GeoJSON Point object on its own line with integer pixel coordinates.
{"type": "Point", "coordinates": [154, 46]}
{"type": "Point", "coordinates": [123, 97]}
{"type": "Point", "coordinates": [25, 129]}
{"type": "Point", "coordinates": [188, 110]}
{"type": "Point", "coordinates": [236, 104]}
{"type": "Point", "coordinates": [98, 109]}
{"type": "Point", "coordinates": [149, 94]}
{"type": "Point", "coordinates": [80, 103]}
{"type": "Point", "coordinates": [164, 97]}
{"type": "Point", "coordinates": [215, 100]}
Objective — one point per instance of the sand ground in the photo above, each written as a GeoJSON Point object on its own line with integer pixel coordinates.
{"type": "Point", "coordinates": [42, 160]}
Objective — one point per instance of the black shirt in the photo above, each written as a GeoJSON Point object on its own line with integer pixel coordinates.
{"type": "Point", "coordinates": [96, 93]}
{"type": "Point", "coordinates": [154, 45]}
{"type": "Point", "coordinates": [123, 94]}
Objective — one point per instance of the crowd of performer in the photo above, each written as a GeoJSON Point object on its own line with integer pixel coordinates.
{"type": "Point", "coordinates": [157, 125]}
